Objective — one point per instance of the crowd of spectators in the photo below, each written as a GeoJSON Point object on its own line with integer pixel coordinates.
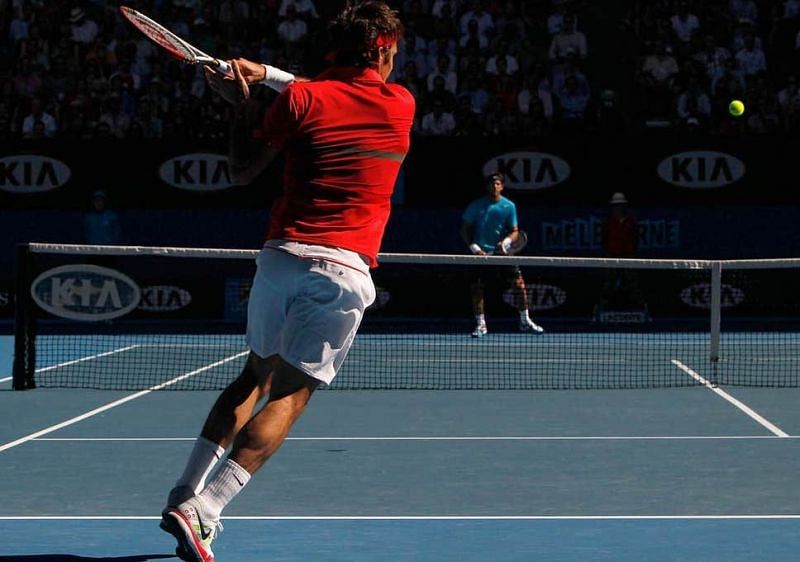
{"type": "Point", "coordinates": [76, 70]}
{"type": "Point", "coordinates": [698, 56]}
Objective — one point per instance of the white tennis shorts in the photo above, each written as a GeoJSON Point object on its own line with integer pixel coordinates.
{"type": "Point", "coordinates": [307, 309]}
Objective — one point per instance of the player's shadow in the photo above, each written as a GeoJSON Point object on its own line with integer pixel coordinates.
{"type": "Point", "coordinates": [73, 558]}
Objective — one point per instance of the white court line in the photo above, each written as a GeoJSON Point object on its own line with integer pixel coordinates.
{"type": "Point", "coordinates": [450, 438]}
{"type": "Point", "coordinates": [191, 345]}
{"type": "Point", "coordinates": [537, 340]}
{"type": "Point", "coordinates": [408, 517]}
{"type": "Point", "coordinates": [493, 361]}
{"type": "Point", "coordinates": [87, 358]}
{"type": "Point", "coordinates": [116, 403]}
{"type": "Point", "coordinates": [6, 379]}
{"type": "Point", "coordinates": [742, 406]}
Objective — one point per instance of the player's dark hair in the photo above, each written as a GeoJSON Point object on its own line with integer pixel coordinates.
{"type": "Point", "coordinates": [358, 31]}
{"type": "Point", "coordinates": [491, 178]}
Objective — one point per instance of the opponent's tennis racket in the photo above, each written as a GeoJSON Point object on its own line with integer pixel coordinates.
{"type": "Point", "coordinates": [173, 44]}
{"type": "Point", "coordinates": [519, 244]}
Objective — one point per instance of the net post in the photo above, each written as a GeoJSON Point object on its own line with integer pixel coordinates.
{"type": "Point", "coordinates": [716, 316]}
{"type": "Point", "coordinates": [24, 327]}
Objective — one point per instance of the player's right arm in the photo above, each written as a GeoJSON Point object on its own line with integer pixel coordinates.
{"type": "Point", "coordinates": [258, 73]}
{"type": "Point", "coordinates": [466, 235]}
{"type": "Point", "coordinates": [468, 231]}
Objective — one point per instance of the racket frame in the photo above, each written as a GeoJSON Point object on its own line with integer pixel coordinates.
{"type": "Point", "coordinates": [170, 42]}
{"type": "Point", "coordinates": [519, 244]}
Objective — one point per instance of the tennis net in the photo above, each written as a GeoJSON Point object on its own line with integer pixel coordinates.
{"type": "Point", "coordinates": [174, 318]}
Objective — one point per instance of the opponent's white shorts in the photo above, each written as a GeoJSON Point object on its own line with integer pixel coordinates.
{"type": "Point", "coordinates": [307, 305]}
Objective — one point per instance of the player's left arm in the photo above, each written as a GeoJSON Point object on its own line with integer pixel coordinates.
{"type": "Point", "coordinates": [248, 156]}
{"type": "Point", "coordinates": [512, 231]}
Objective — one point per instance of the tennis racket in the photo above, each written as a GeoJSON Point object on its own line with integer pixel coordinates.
{"type": "Point", "coordinates": [519, 244]}
{"type": "Point", "coordinates": [173, 44]}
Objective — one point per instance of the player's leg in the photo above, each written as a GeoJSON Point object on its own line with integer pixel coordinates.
{"type": "Point", "coordinates": [317, 322]}
{"type": "Point", "coordinates": [236, 404]}
{"type": "Point", "coordinates": [478, 308]}
{"type": "Point", "coordinates": [259, 437]}
{"type": "Point", "coordinates": [264, 433]}
{"type": "Point", "coordinates": [320, 321]}
{"type": "Point", "coordinates": [230, 412]}
{"type": "Point", "coordinates": [194, 522]}
{"type": "Point", "coordinates": [233, 408]}
{"type": "Point", "coordinates": [520, 291]}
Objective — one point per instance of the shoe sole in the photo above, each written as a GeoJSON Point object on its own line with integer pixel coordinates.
{"type": "Point", "coordinates": [183, 555]}
{"type": "Point", "coordinates": [175, 525]}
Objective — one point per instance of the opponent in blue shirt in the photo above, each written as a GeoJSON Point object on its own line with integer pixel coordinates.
{"type": "Point", "coordinates": [490, 227]}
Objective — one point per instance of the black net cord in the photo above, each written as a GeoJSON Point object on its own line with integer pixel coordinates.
{"type": "Point", "coordinates": [24, 324]}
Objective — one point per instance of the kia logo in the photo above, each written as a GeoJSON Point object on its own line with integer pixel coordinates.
{"type": "Point", "coordinates": [699, 295]}
{"type": "Point", "coordinates": [164, 298]}
{"type": "Point", "coordinates": [30, 173]}
{"type": "Point", "coordinates": [197, 172]}
{"type": "Point", "coordinates": [540, 297]}
{"type": "Point", "coordinates": [529, 170]}
{"type": "Point", "coordinates": [85, 292]}
{"type": "Point", "coordinates": [701, 169]}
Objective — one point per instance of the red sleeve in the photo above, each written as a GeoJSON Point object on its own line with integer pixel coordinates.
{"type": "Point", "coordinates": [403, 93]}
{"type": "Point", "coordinates": [282, 119]}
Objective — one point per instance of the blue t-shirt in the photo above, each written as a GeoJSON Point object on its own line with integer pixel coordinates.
{"type": "Point", "coordinates": [491, 221]}
{"type": "Point", "coordinates": [101, 228]}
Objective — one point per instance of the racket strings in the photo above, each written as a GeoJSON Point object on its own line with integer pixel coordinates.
{"type": "Point", "coordinates": [160, 35]}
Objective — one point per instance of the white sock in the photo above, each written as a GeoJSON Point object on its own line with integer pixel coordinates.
{"type": "Point", "coordinates": [523, 316]}
{"type": "Point", "coordinates": [223, 487]}
{"type": "Point", "coordinates": [481, 319]}
{"type": "Point", "coordinates": [202, 460]}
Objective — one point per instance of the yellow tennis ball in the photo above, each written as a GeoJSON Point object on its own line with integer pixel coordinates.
{"type": "Point", "coordinates": [736, 108]}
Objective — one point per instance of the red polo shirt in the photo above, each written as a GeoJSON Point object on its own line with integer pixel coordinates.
{"type": "Point", "coordinates": [621, 236]}
{"type": "Point", "coordinates": [344, 135]}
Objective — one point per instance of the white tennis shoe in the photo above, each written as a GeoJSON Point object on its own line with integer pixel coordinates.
{"type": "Point", "coordinates": [480, 331]}
{"type": "Point", "coordinates": [193, 531]}
{"type": "Point", "coordinates": [529, 325]}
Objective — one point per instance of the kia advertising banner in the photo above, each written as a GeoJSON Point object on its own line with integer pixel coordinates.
{"type": "Point", "coordinates": [85, 292]}
{"type": "Point", "coordinates": [32, 173]}
{"type": "Point", "coordinates": [197, 172]}
{"type": "Point", "coordinates": [529, 171]}
{"type": "Point", "coordinates": [151, 294]}
{"type": "Point", "coordinates": [651, 169]}
{"type": "Point", "coordinates": [701, 169]}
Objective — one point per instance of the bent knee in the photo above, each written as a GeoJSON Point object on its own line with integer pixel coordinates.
{"type": "Point", "coordinates": [257, 371]}
{"type": "Point", "coordinates": [287, 380]}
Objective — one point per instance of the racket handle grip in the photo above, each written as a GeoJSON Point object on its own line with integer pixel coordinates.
{"type": "Point", "coordinates": [224, 68]}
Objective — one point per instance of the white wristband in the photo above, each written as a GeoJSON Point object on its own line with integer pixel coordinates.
{"type": "Point", "coordinates": [506, 243]}
{"type": "Point", "coordinates": [276, 78]}
{"type": "Point", "coordinates": [474, 248]}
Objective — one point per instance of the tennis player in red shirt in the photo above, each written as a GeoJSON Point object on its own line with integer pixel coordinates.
{"type": "Point", "coordinates": [344, 136]}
